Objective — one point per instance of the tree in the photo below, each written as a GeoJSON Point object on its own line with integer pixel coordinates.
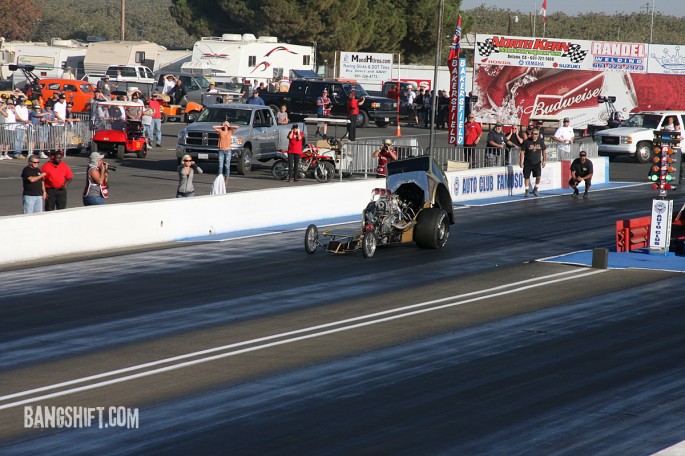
{"type": "Point", "coordinates": [19, 18]}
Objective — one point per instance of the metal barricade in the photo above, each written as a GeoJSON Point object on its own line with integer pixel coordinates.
{"type": "Point", "coordinates": [358, 159]}
{"type": "Point", "coordinates": [42, 137]}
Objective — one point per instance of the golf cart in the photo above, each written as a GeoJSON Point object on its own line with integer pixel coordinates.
{"type": "Point", "coordinates": [118, 129]}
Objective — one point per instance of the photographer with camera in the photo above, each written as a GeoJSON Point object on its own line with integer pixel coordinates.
{"type": "Point", "coordinates": [97, 178]}
{"type": "Point", "coordinates": [385, 154]}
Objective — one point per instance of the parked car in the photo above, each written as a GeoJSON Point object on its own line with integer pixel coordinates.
{"type": "Point", "coordinates": [259, 137]}
{"type": "Point", "coordinates": [300, 101]}
{"type": "Point", "coordinates": [635, 138]}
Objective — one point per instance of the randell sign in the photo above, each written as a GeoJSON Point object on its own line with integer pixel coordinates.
{"type": "Point", "coordinates": [363, 66]}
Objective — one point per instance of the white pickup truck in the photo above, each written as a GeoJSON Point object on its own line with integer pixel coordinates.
{"type": "Point", "coordinates": [636, 136]}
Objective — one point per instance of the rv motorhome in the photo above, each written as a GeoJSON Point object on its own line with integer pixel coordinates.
{"type": "Point", "coordinates": [48, 60]}
{"type": "Point", "coordinates": [244, 56]}
{"type": "Point", "coordinates": [102, 54]}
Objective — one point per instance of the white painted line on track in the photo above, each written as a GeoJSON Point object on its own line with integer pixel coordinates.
{"type": "Point", "coordinates": [375, 318]}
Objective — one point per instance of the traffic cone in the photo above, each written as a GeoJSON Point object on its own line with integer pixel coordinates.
{"type": "Point", "coordinates": [398, 132]}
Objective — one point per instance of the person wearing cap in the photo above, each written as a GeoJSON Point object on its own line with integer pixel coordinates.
{"type": "Point", "coordinates": [68, 74]}
{"type": "Point", "coordinates": [323, 109]}
{"type": "Point", "coordinates": [36, 116]}
{"type": "Point", "coordinates": [295, 142]}
{"type": "Point", "coordinates": [212, 88]}
{"type": "Point", "coordinates": [353, 114]}
{"type": "Point", "coordinates": [97, 178]}
{"type": "Point", "coordinates": [472, 134]}
{"type": "Point", "coordinates": [21, 113]}
{"type": "Point", "coordinates": [103, 86]}
{"type": "Point", "coordinates": [385, 154]}
{"type": "Point", "coordinates": [498, 145]}
{"type": "Point", "coordinates": [4, 128]}
{"type": "Point", "coordinates": [33, 196]}
{"type": "Point", "coordinates": [410, 97]}
{"type": "Point", "coordinates": [532, 159]}
{"type": "Point", "coordinates": [156, 106]}
{"type": "Point", "coordinates": [564, 136]}
{"type": "Point", "coordinates": [169, 83]}
{"type": "Point", "coordinates": [255, 99]}
{"type": "Point", "coordinates": [581, 171]}
{"type": "Point", "coordinates": [57, 177]}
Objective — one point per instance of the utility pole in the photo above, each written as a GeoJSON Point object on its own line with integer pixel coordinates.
{"type": "Point", "coordinates": [123, 20]}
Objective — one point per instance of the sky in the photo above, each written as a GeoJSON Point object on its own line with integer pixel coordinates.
{"type": "Point", "coordinates": [573, 7]}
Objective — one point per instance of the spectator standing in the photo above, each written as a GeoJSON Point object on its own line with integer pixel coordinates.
{"type": "Point", "coordinates": [212, 88]}
{"type": "Point", "coordinates": [186, 172]}
{"type": "Point", "coordinates": [497, 144]}
{"type": "Point", "coordinates": [564, 136]}
{"type": "Point", "coordinates": [418, 105]}
{"type": "Point", "coordinates": [246, 90]}
{"type": "Point", "coordinates": [156, 106]}
{"type": "Point", "coordinates": [97, 177]}
{"type": "Point", "coordinates": [104, 87]}
{"type": "Point", "coordinates": [169, 84]}
{"type": "Point", "coordinates": [178, 92]}
{"type": "Point", "coordinates": [428, 108]}
{"type": "Point", "coordinates": [57, 177]}
{"type": "Point", "coordinates": [36, 117]}
{"type": "Point", "coordinates": [282, 116]}
{"type": "Point", "coordinates": [146, 120]}
{"type": "Point", "coordinates": [4, 131]}
{"type": "Point", "coordinates": [10, 127]}
{"type": "Point", "coordinates": [34, 194]}
{"type": "Point", "coordinates": [23, 123]}
{"type": "Point", "coordinates": [295, 140]}
{"type": "Point", "coordinates": [323, 109]}
{"type": "Point", "coordinates": [581, 171]}
{"type": "Point", "coordinates": [472, 134]}
{"type": "Point", "coordinates": [255, 99]}
{"type": "Point", "coordinates": [443, 103]}
{"type": "Point", "coordinates": [68, 74]}
{"type": "Point", "coordinates": [516, 137]}
{"type": "Point", "coordinates": [532, 159]}
{"type": "Point", "coordinates": [225, 132]}
{"type": "Point", "coordinates": [353, 114]}
{"type": "Point", "coordinates": [411, 107]}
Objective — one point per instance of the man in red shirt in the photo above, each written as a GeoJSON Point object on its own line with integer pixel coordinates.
{"type": "Point", "coordinates": [472, 133]}
{"type": "Point", "coordinates": [352, 114]}
{"type": "Point", "coordinates": [156, 106]}
{"type": "Point", "coordinates": [58, 175]}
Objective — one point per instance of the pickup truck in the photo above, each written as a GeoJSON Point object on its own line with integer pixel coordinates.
{"type": "Point", "coordinates": [300, 101]}
{"type": "Point", "coordinates": [636, 136]}
{"type": "Point", "coordinates": [259, 137]}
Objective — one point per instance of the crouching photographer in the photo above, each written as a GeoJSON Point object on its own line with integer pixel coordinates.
{"type": "Point", "coordinates": [385, 154]}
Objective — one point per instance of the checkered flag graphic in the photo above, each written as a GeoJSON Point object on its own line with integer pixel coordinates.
{"type": "Point", "coordinates": [575, 54]}
{"type": "Point", "coordinates": [486, 48]}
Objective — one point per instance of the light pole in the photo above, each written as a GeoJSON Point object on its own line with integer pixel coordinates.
{"type": "Point", "coordinates": [651, 28]}
{"type": "Point", "coordinates": [435, 80]}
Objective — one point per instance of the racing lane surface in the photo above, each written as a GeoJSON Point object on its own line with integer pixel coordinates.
{"type": "Point", "coordinates": [588, 365]}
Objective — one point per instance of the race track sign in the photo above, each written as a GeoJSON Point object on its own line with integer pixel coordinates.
{"type": "Point", "coordinates": [660, 230]}
{"type": "Point", "coordinates": [365, 66]}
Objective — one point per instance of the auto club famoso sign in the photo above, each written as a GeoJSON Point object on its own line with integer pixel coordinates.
{"type": "Point", "coordinates": [365, 66]}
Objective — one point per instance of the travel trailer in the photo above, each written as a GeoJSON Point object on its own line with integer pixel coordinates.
{"type": "Point", "coordinates": [245, 56]}
{"type": "Point", "coordinates": [49, 60]}
{"type": "Point", "coordinates": [102, 54]}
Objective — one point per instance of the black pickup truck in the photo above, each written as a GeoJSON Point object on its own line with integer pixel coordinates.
{"type": "Point", "coordinates": [300, 101]}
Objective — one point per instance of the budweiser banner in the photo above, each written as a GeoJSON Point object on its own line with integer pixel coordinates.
{"type": "Point", "coordinates": [519, 79]}
{"type": "Point", "coordinates": [453, 64]}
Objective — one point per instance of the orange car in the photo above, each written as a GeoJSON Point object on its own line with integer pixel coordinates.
{"type": "Point", "coordinates": [78, 92]}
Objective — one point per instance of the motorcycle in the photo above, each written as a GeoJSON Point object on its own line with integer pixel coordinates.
{"type": "Point", "coordinates": [314, 161]}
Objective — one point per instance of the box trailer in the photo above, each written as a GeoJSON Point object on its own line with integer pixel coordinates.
{"type": "Point", "coordinates": [102, 54]}
{"type": "Point", "coordinates": [48, 59]}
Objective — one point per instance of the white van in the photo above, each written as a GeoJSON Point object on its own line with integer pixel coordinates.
{"type": "Point", "coordinates": [130, 73]}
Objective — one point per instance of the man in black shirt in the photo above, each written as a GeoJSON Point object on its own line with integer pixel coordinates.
{"type": "Point", "coordinates": [34, 186]}
{"type": "Point", "coordinates": [581, 170]}
{"type": "Point", "coordinates": [498, 146]}
{"type": "Point", "coordinates": [533, 159]}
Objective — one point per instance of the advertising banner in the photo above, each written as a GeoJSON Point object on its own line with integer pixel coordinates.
{"type": "Point", "coordinates": [453, 65]}
{"type": "Point", "coordinates": [660, 230]}
{"type": "Point", "coordinates": [518, 80]}
{"type": "Point", "coordinates": [366, 66]}
{"type": "Point", "coordinates": [665, 59]}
